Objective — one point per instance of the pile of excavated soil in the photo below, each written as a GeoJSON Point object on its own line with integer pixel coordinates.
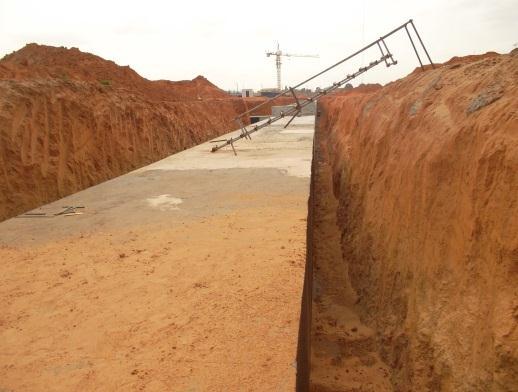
{"type": "Point", "coordinates": [425, 176]}
{"type": "Point", "coordinates": [266, 109]}
{"type": "Point", "coordinates": [39, 62]}
{"type": "Point", "coordinates": [69, 120]}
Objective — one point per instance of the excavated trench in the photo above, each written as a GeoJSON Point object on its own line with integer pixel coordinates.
{"type": "Point", "coordinates": [70, 120]}
{"type": "Point", "coordinates": [344, 352]}
{"type": "Point", "coordinates": [412, 250]}
{"type": "Point", "coordinates": [337, 352]}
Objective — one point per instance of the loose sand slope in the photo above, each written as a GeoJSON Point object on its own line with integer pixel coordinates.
{"type": "Point", "coordinates": [425, 171]}
{"type": "Point", "coordinates": [69, 120]}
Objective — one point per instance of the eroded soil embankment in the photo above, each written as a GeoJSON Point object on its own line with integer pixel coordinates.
{"type": "Point", "coordinates": [266, 109]}
{"type": "Point", "coordinates": [343, 350]}
{"type": "Point", "coordinates": [57, 140]}
{"type": "Point", "coordinates": [69, 120]}
{"type": "Point", "coordinates": [422, 184]}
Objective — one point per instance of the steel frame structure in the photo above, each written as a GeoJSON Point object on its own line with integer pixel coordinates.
{"type": "Point", "coordinates": [385, 56]}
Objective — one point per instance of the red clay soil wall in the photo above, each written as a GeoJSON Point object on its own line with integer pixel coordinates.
{"type": "Point", "coordinates": [266, 110]}
{"type": "Point", "coordinates": [69, 120]}
{"type": "Point", "coordinates": [425, 171]}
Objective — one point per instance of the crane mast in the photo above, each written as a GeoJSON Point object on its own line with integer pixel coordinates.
{"type": "Point", "coordinates": [278, 65]}
{"type": "Point", "coordinates": [278, 54]}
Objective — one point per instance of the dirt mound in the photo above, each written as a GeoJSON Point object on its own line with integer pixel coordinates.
{"type": "Point", "coordinates": [362, 88]}
{"type": "Point", "coordinates": [266, 110]}
{"type": "Point", "coordinates": [425, 173]}
{"type": "Point", "coordinates": [35, 62]}
{"type": "Point", "coordinates": [198, 88]}
{"type": "Point", "coordinates": [69, 120]}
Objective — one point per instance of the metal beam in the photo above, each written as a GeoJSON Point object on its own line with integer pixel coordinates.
{"type": "Point", "coordinates": [376, 42]}
{"type": "Point", "coordinates": [413, 46]}
{"type": "Point", "coordinates": [294, 111]}
{"type": "Point", "coordinates": [421, 41]}
{"type": "Point", "coordinates": [386, 57]}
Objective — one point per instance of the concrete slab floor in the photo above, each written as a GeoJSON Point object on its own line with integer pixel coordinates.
{"type": "Point", "coordinates": [183, 275]}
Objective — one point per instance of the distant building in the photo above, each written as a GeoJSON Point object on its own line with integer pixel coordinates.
{"type": "Point", "coordinates": [304, 91]}
{"type": "Point", "coordinates": [269, 92]}
{"type": "Point", "coordinates": [247, 92]}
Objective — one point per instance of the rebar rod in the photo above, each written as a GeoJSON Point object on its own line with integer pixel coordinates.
{"type": "Point", "coordinates": [386, 57]}
{"type": "Point", "coordinates": [295, 109]}
{"type": "Point", "coordinates": [330, 67]}
{"type": "Point", "coordinates": [422, 44]}
{"type": "Point", "coordinates": [376, 42]}
{"type": "Point", "coordinates": [413, 46]}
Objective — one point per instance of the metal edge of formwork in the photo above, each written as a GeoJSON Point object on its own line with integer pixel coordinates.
{"type": "Point", "coordinates": [304, 338]}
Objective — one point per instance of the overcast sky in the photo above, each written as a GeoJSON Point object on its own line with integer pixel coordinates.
{"type": "Point", "coordinates": [226, 40]}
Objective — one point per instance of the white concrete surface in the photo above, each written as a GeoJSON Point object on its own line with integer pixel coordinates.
{"type": "Point", "coordinates": [186, 185]}
{"type": "Point", "coordinates": [271, 147]}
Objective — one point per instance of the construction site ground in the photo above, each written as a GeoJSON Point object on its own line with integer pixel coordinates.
{"type": "Point", "coordinates": [184, 275]}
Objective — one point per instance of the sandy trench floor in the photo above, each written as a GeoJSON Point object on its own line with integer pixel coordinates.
{"type": "Point", "coordinates": [182, 280]}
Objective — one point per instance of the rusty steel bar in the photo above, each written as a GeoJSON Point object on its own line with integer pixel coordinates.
{"type": "Point", "coordinates": [295, 109]}
{"type": "Point", "coordinates": [376, 42]}
{"type": "Point", "coordinates": [413, 46]}
{"type": "Point", "coordinates": [382, 53]}
{"type": "Point", "coordinates": [392, 61]}
{"type": "Point", "coordinates": [330, 67]}
{"type": "Point", "coordinates": [293, 118]}
{"type": "Point", "coordinates": [424, 48]}
{"type": "Point", "coordinates": [386, 57]}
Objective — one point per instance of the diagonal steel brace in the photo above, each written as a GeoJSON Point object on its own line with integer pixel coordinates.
{"type": "Point", "coordinates": [244, 131]}
{"type": "Point", "coordinates": [297, 103]}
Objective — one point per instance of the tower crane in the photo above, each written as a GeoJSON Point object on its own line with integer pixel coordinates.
{"type": "Point", "coordinates": [278, 53]}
